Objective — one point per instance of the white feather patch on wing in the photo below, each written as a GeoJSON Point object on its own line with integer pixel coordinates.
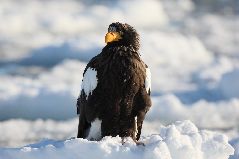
{"type": "Point", "coordinates": [136, 127]}
{"type": "Point", "coordinates": [148, 80]}
{"type": "Point", "coordinates": [89, 81]}
{"type": "Point", "coordinates": [95, 130]}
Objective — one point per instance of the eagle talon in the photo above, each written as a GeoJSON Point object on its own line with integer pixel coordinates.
{"type": "Point", "coordinates": [139, 143]}
{"type": "Point", "coordinates": [123, 140]}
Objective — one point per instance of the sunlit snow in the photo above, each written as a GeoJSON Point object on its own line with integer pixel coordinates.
{"type": "Point", "coordinates": [190, 46]}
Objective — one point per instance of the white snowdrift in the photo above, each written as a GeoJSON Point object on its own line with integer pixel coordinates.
{"type": "Point", "coordinates": [47, 26]}
{"type": "Point", "coordinates": [235, 144]}
{"type": "Point", "coordinates": [181, 140]}
{"type": "Point", "coordinates": [216, 115]}
{"type": "Point", "coordinates": [51, 95]}
{"type": "Point", "coordinates": [229, 84]}
{"type": "Point", "coordinates": [172, 57]}
{"type": "Point", "coordinates": [188, 53]}
{"type": "Point", "coordinates": [31, 131]}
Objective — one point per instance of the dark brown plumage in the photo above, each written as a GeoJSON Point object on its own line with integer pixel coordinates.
{"type": "Point", "coordinates": [121, 95]}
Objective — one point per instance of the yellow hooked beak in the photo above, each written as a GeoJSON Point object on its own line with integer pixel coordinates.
{"type": "Point", "coordinates": [112, 36]}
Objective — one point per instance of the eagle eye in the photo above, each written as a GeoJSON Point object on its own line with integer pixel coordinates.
{"type": "Point", "coordinates": [112, 29]}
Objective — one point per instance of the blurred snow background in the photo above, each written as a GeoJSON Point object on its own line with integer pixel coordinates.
{"type": "Point", "coordinates": [191, 46]}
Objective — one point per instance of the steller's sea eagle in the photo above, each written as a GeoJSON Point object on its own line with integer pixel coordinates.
{"type": "Point", "coordinates": [115, 90]}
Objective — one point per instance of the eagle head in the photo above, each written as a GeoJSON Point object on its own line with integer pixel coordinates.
{"type": "Point", "coordinates": [122, 34]}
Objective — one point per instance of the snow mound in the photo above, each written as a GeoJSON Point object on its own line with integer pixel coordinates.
{"type": "Point", "coordinates": [181, 140]}
{"type": "Point", "coordinates": [217, 115]}
{"type": "Point", "coordinates": [173, 61]}
{"type": "Point", "coordinates": [235, 144]}
{"type": "Point", "coordinates": [229, 84]}
{"type": "Point", "coordinates": [42, 97]}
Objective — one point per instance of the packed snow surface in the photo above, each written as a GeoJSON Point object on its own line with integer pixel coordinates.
{"type": "Point", "coordinates": [181, 140]}
{"type": "Point", "coordinates": [190, 46]}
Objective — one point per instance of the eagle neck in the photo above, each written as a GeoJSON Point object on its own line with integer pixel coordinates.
{"type": "Point", "coordinates": [120, 50]}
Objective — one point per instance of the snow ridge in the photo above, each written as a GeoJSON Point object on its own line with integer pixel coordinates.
{"type": "Point", "coordinates": [181, 140]}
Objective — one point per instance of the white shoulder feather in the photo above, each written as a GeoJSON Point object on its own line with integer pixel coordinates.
{"type": "Point", "coordinates": [148, 80]}
{"type": "Point", "coordinates": [89, 81]}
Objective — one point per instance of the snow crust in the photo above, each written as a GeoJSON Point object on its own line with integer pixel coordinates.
{"type": "Point", "coordinates": [235, 144]}
{"type": "Point", "coordinates": [89, 81]}
{"type": "Point", "coordinates": [219, 115]}
{"type": "Point", "coordinates": [229, 84]}
{"type": "Point", "coordinates": [181, 140]}
{"type": "Point", "coordinates": [192, 54]}
{"type": "Point", "coordinates": [51, 94]}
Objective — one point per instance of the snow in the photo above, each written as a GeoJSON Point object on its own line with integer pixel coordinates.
{"type": "Point", "coordinates": [181, 140]}
{"type": "Point", "coordinates": [171, 60]}
{"type": "Point", "coordinates": [31, 131]}
{"type": "Point", "coordinates": [229, 84]}
{"type": "Point", "coordinates": [148, 80]}
{"type": "Point", "coordinates": [89, 81]}
{"type": "Point", "coordinates": [235, 144]}
{"type": "Point", "coordinates": [46, 27]}
{"type": "Point", "coordinates": [191, 48]}
{"type": "Point", "coordinates": [55, 91]}
{"type": "Point", "coordinates": [168, 108]}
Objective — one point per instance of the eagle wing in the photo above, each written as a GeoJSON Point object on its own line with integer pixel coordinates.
{"type": "Point", "coordinates": [88, 85]}
{"type": "Point", "coordinates": [143, 103]}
